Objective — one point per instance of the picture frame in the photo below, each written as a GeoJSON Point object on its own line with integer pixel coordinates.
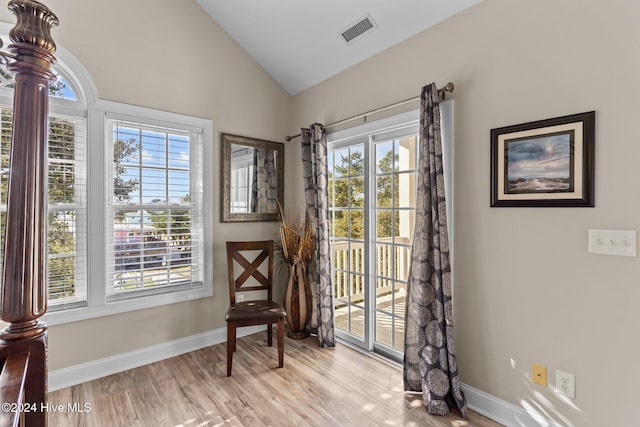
{"type": "Point", "coordinates": [259, 164]}
{"type": "Point", "coordinates": [546, 163]}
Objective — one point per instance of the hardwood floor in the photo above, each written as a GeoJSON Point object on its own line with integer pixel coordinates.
{"type": "Point", "coordinates": [316, 387]}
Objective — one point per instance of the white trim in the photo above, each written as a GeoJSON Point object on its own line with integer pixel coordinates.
{"type": "Point", "coordinates": [115, 307]}
{"type": "Point", "coordinates": [502, 412]}
{"type": "Point", "coordinates": [97, 134]}
{"type": "Point", "coordinates": [120, 111]}
{"type": "Point", "coordinates": [77, 374]}
{"type": "Point", "coordinates": [399, 121]}
{"type": "Point", "coordinates": [86, 91]}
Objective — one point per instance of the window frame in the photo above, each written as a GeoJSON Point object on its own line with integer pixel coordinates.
{"type": "Point", "coordinates": [74, 110]}
{"type": "Point", "coordinates": [97, 139]}
{"type": "Point", "coordinates": [367, 134]}
{"type": "Point", "coordinates": [379, 130]}
{"type": "Point", "coordinates": [80, 207]}
{"type": "Point", "coordinates": [93, 110]}
{"type": "Point", "coordinates": [194, 206]}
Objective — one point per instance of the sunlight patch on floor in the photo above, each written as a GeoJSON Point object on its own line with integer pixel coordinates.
{"type": "Point", "coordinates": [368, 407]}
{"type": "Point", "coordinates": [416, 403]}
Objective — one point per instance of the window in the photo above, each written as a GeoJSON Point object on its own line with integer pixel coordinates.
{"type": "Point", "coordinates": [67, 280]}
{"type": "Point", "coordinates": [149, 212]}
{"type": "Point", "coordinates": [128, 215]}
{"type": "Point", "coordinates": [67, 188]}
{"type": "Point", "coordinates": [67, 209]}
{"type": "Point", "coordinates": [154, 215]}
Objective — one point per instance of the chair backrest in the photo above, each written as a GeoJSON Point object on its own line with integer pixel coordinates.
{"type": "Point", "coordinates": [250, 268]}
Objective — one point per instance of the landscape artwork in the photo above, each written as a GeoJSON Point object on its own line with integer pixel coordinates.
{"type": "Point", "coordinates": [546, 163]}
{"type": "Point", "coordinates": [541, 164]}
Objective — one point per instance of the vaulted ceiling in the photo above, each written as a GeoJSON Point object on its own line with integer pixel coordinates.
{"type": "Point", "coordinates": [299, 42]}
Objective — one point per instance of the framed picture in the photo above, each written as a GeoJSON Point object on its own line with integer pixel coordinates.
{"type": "Point", "coordinates": [548, 163]}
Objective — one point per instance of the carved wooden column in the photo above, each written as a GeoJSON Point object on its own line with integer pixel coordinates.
{"type": "Point", "coordinates": [24, 289]}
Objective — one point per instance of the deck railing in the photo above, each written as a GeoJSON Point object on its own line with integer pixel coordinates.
{"type": "Point", "coordinates": [391, 264]}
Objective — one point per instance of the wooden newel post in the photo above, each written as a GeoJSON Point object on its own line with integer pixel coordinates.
{"type": "Point", "coordinates": [23, 293]}
{"type": "Point", "coordinates": [24, 288]}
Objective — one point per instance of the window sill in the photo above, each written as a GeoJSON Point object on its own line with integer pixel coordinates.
{"type": "Point", "coordinates": [116, 307]}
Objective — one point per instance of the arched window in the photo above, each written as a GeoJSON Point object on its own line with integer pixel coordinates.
{"type": "Point", "coordinates": [140, 173]}
{"type": "Point", "coordinates": [70, 94]}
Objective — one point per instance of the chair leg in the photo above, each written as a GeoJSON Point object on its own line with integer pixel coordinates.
{"type": "Point", "coordinates": [270, 334]}
{"type": "Point", "coordinates": [231, 345]}
{"type": "Point", "coordinates": [280, 343]}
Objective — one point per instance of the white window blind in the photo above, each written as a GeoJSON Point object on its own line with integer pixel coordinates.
{"type": "Point", "coordinates": [67, 276]}
{"type": "Point", "coordinates": [154, 210]}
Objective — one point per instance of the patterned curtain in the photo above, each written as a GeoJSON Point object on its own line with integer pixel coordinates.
{"type": "Point", "coordinates": [314, 171]}
{"type": "Point", "coordinates": [263, 188]}
{"type": "Point", "coordinates": [429, 357]}
{"type": "Point", "coordinates": [270, 182]}
{"type": "Point", "coordinates": [255, 180]}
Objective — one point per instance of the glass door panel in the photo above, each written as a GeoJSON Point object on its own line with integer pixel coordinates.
{"type": "Point", "coordinates": [372, 210]}
{"type": "Point", "coordinates": [394, 206]}
{"type": "Point", "coordinates": [347, 218]}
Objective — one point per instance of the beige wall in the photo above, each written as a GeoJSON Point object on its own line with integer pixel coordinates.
{"type": "Point", "coordinates": [171, 56]}
{"type": "Point", "coordinates": [526, 289]}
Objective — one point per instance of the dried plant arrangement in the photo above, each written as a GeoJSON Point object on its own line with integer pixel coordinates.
{"type": "Point", "coordinates": [296, 245]}
{"type": "Point", "coordinates": [296, 242]}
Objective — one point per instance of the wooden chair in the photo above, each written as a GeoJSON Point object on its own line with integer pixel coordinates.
{"type": "Point", "coordinates": [254, 312]}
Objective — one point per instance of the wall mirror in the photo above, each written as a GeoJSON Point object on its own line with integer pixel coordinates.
{"type": "Point", "coordinates": [252, 178]}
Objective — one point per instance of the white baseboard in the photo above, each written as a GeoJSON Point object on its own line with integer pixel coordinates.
{"type": "Point", "coordinates": [477, 400]}
{"type": "Point", "coordinates": [66, 377]}
{"type": "Point", "coordinates": [502, 412]}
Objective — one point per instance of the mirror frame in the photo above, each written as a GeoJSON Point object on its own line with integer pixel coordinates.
{"type": "Point", "coordinates": [229, 139]}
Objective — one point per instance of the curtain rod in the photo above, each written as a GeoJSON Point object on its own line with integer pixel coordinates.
{"type": "Point", "coordinates": [447, 88]}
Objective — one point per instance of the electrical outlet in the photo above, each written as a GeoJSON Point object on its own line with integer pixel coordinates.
{"type": "Point", "coordinates": [539, 374]}
{"type": "Point", "coordinates": [239, 298]}
{"type": "Point", "coordinates": [566, 383]}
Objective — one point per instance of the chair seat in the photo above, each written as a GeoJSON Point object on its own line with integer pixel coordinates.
{"type": "Point", "coordinates": [255, 310]}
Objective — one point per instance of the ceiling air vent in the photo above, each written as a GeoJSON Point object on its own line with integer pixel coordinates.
{"type": "Point", "coordinates": [356, 30]}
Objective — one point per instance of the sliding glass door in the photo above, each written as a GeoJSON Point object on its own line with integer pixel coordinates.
{"type": "Point", "coordinates": [372, 209]}
{"type": "Point", "coordinates": [394, 208]}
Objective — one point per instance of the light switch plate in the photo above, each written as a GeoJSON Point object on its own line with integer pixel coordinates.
{"type": "Point", "coordinates": [613, 242]}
